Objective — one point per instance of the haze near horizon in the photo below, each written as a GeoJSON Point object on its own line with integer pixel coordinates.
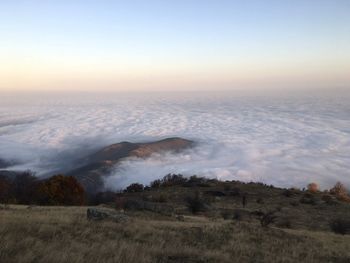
{"type": "Point", "coordinates": [178, 45]}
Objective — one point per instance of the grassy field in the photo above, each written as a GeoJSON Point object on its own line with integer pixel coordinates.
{"type": "Point", "coordinates": [63, 234]}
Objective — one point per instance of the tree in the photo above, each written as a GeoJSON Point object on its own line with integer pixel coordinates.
{"type": "Point", "coordinates": [5, 186]}
{"type": "Point", "coordinates": [340, 192]}
{"type": "Point", "coordinates": [61, 190]}
{"type": "Point", "coordinates": [23, 188]}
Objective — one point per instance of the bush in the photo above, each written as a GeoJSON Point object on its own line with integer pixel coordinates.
{"type": "Point", "coordinates": [260, 200]}
{"type": "Point", "coordinates": [328, 199]}
{"type": "Point", "coordinates": [61, 190]}
{"type": "Point", "coordinates": [284, 223]}
{"type": "Point", "coordinates": [120, 203]}
{"type": "Point", "coordinates": [288, 193]}
{"type": "Point", "coordinates": [340, 192]}
{"type": "Point", "coordinates": [267, 219]}
{"type": "Point", "coordinates": [156, 183]}
{"type": "Point", "coordinates": [308, 199]}
{"type": "Point", "coordinates": [103, 198]}
{"type": "Point", "coordinates": [226, 215]}
{"type": "Point", "coordinates": [237, 215]}
{"type": "Point", "coordinates": [158, 198]}
{"type": "Point", "coordinates": [134, 188]}
{"type": "Point", "coordinates": [196, 203]}
{"type": "Point", "coordinates": [23, 188]}
{"type": "Point", "coordinates": [340, 226]}
{"type": "Point", "coordinates": [312, 188]}
{"type": "Point", "coordinates": [173, 179]}
{"type": "Point", "coordinates": [5, 187]}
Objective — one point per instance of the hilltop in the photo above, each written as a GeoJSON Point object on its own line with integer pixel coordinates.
{"type": "Point", "coordinates": [100, 164]}
{"type": "Point", "coordinates": [179, 219]}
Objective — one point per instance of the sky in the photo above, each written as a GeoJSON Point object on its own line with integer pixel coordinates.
{"type": "Point", "coordinates": [87, 45]}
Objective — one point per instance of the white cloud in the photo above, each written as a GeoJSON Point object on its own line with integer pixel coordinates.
{"type": "Point", "coordinates": [287, 141]}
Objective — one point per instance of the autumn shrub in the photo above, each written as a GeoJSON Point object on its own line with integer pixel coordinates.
{"type": "Point", "coordinates": [61, 190]}
{"type": "Point", "coordinates": [313, 188]}
{"type": "Point", "coordinates": [340, 192]}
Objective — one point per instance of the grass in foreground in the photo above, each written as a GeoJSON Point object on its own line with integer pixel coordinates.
{"type": "Point", "coordinates": [63, 234]}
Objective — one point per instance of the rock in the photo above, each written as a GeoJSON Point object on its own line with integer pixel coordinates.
{"type": "Point", "coordinates": [98, 214]}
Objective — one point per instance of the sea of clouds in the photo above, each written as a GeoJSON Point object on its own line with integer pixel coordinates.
{"type": "Point", "coordinates": [285, 140]}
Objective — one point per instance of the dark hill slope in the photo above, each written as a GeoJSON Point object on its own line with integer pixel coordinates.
{"type": "Point", "coordinates": [100, 163]}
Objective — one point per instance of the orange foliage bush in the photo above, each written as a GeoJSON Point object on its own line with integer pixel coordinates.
{"type": "Point", "coordinates": [340, 192]}
{"type": "Point", "coordinates": [61, 190]}
{"type": "Point", "coordinates": [313, 187]}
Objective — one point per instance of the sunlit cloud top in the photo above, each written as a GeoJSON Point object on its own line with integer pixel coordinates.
{"type": "Point", "coordinates": [173, 45]}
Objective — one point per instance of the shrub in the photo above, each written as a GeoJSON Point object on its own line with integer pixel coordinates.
{"type": "Point", "coordinates": [5, 187]}
{"type": "Point", "coordinates": [260, 200]}
{"type": "Point", "coordinates": [340, 192]}
{"type": "Point", "coordinates": [134, 188]}
{"type": "Point", "coordinates": [103, 198]}
{"type": "Point", "coordinates": [159, 198]}
{"type": "Point", "coordinates": [156, 183]}
{"type": "Point", "coordinates": [288, 193]}
{"type": "Point", "coordinates": [328, 199]}
{"type": "Point", "coordinates": [194, 180]}
{"type": "Point", "coordinates": [340, 226]}
{"type": "Point", "coordinates": [173, 179]}
{"type": "Point", "coordinates": [237, 215]}
{"type": "Point", "coordinates": [226, 214]}
{"type": "Point", "coordinates": [267, 219]}
{"type": "Point", "coordinates": [235, 192]}
{"type": "Point", "coordinates": [308, 199]}
{"type": "Point", "coordinates": [284, 223]}
{"type": "Point", "coordinates": [61, 190]}
{"type": "Point", "coordinates": [23, 188]}
{"type": "Point", "coordinates": [196, 203]}
{"type": "Point", "coordinates": [312, 188]}
{"type": "Point", "coordinates": [120, 203]}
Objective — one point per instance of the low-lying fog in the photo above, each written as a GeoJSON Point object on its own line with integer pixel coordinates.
{"type": "Point", "coordinates": [281, 140]}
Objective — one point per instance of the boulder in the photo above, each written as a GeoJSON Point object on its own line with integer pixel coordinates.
{"type": "Point", "coordinates": [98, 214]}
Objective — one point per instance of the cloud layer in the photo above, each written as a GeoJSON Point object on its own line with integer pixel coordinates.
{"type": "Point", "coordinates": [281, 140]}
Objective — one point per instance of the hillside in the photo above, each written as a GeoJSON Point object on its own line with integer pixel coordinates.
{"type": "Point", "coordinates": [178, 220]}
{"type": "Point", "coordinates": [99, 164]}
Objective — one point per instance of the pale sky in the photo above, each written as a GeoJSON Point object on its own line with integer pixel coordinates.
{"type": "Point", "coordinates": [173, 45]}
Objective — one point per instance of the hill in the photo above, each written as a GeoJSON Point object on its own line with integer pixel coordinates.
{"type": "Point", "coordinates": [177, 220]}
{"type": "Point", "coordinates": [99, 164]}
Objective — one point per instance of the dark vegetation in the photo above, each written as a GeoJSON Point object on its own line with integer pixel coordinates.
{"type": "Point", "coordinates": [26, 188]}
{"type": "Point", "coordinates": [176, 194]}
{"type": "Point", "coordinates": [174, 219]}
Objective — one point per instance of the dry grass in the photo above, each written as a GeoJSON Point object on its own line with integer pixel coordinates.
{"type": "Point", "coordinates": [62, 234]}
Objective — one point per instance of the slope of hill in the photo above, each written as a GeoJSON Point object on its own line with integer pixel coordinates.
{"type": "Point", "coordinates": [99, 164]}
{"type": "Point", "coordinates": [163, 227]}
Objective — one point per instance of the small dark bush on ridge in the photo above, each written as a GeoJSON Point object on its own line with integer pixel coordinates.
{"type": "Point", "coordinates": [340, 226]}
{"type": "Point", "coordinates": [134, 188]}
{"type": "Point", "coordinates": [196, 203]}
